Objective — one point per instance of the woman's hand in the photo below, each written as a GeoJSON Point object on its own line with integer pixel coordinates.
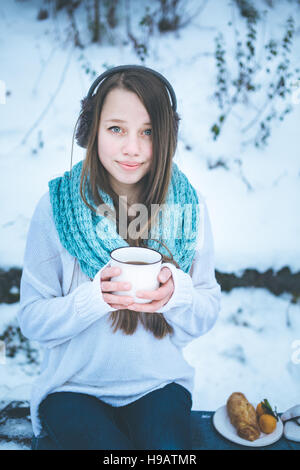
{"type": "Point", "coordinates": [115, 301]}
{"type": "Point", "coordinates": [159, 296]}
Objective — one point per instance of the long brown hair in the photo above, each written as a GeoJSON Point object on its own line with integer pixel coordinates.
{"type": "Point", "coordinates": [164, 121]}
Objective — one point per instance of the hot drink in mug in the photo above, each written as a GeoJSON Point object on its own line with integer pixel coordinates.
{"type": "Point", "coordinates": [139, 266]}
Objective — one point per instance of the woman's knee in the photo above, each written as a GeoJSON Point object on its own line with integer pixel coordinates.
{"type": "Point", "coordinates": [79, 421]}
{"type": "Point", "coordinates": [162, 420]}
{"type": "Point", "coordinates": [62, 417]}
{"type": "Point", "coordinates": [66, 408]}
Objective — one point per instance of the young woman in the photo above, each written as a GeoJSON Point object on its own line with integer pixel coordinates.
{"type": "Point", "coordinates": [113, 374]}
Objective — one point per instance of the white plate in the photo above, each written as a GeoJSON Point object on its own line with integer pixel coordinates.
{"type": "Point", "coordinates": [223, 425]}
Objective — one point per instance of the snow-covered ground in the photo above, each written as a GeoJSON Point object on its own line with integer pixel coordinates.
{"type": "Point", "coordinates": [254, 347]}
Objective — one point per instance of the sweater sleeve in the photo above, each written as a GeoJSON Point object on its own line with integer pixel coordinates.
{"type": "Point", "coordinates": [194, 306]}
{"type": "Point", "coordinates": [46, 315]}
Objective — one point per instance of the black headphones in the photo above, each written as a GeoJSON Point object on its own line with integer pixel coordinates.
{"type": "Point", "coordinates": [87, 103]}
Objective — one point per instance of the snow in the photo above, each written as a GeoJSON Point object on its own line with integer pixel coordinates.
{"type": "Point", "coordinates": [253, 204]}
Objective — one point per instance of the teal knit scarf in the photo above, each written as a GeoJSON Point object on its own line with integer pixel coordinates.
{"type": "Point", "coordinates": [90, 236]}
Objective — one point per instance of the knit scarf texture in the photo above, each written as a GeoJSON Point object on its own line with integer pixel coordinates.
{"type": "Point", "coordinates": [90, 237]}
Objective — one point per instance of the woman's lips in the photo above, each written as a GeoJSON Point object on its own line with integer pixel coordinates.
{"type": "Point", "coordinates": [129, 167]}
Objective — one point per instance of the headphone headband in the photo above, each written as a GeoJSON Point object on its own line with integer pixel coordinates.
{"type": "Point", "coordinates": [124, 68]}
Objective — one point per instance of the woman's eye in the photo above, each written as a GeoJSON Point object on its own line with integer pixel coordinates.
{"type": "Point", "coordinates": [115, 129]}
{"type": "Point", "coordinates": [118, 130]}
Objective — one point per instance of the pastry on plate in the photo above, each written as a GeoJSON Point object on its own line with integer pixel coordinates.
{"type": "Point", "coordinates": [242, 416]}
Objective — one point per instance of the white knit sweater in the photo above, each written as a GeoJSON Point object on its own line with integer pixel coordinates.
{"type": "Point", "coordinates": [64, 311]}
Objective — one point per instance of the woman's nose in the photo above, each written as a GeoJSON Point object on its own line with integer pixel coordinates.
{"type": "Point", "coordinates": [131, 145]}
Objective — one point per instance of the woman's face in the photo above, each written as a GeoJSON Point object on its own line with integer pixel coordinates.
{"type": "Point", "coordinates": [124, 137]}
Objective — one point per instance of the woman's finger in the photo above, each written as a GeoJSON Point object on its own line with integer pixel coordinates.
{"type": "Point", "coordinates": [117, 299]}
{"type": "Point", "coordinates": [119, 307]}
{"type": "Point", "coordinates": [164, 275]}
{"type": "Point", "coordinates": [157, 294]}
{"type": "Point", "coordinates": [151, 307]}
{"type": "Point", "coordinates": [109, 272]}
{"type": "Point", "coordinates": [107, 286]}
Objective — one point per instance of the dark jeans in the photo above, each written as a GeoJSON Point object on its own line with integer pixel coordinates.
{"type": "Point", "coordinates": [158, 420]}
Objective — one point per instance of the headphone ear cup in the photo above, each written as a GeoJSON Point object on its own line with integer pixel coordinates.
{"type": "Point", "coordinates": [85, 121]}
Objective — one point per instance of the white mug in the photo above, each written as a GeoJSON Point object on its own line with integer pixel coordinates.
{"type": "Point", "coordinates": [141, 276]}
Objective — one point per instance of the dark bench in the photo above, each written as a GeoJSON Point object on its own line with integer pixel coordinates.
{"type": "Point", "coordinates": [15, 427]}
